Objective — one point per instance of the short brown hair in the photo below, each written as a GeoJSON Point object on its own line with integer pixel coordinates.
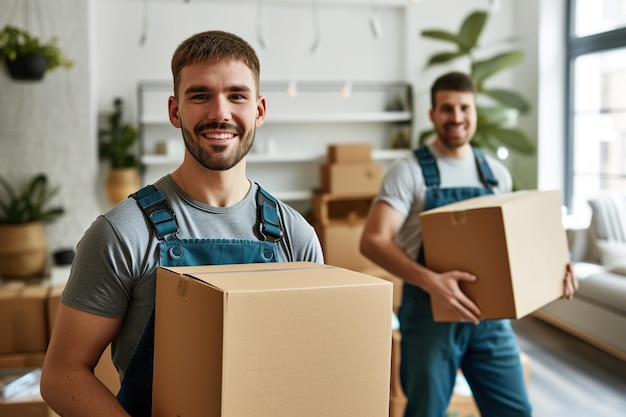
{"type": "Point", "coordinates": [455, 81]}
{"type": "Point", "coordinates": [214, 46]}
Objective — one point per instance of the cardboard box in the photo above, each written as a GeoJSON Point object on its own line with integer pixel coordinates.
{"type": "Point", "coordinates": [514, 243]}
{"type": "Point", "coordinates": [350, 153]}
{"type": "Point", "coordinates": [22, 360]}
{"type": "Point", "coordinates": [271, 340]}
{"type": "Point", "coordinates": [340, 243]}
{"type": "Point", "coordinates": [357, 178]}
{"type": "Point", "coordinates": [332, 207]}
{"type": "Point", "coordinates": [398, 284]}
{"type": "Point", "coordinates": [23, 323]}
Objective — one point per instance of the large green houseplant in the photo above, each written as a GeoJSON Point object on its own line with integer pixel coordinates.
{"type": "Point", "coordinates": [117, 146]}
{"type": "Point", "coordinates": [497, 108]}
{"type": "Point", "coordinates": [23, 245]}
{"type": "Point", "coordinates": [27, 57]}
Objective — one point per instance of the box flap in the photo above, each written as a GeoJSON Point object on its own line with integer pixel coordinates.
{"type": "Point", "coordinates": [276, 276]}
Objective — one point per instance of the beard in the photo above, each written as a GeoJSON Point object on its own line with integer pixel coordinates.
{"type": "Point", "coordinates": [218, 159]}
{"type": "Point", "coordinates": [453, 141]}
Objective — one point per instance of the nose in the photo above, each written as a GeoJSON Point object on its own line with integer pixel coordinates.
{"type": "Point", "coordinates": [457, 115]}
{"type": "Point", "coordinates": [219, 109]}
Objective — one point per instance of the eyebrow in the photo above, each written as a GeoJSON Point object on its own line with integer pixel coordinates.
{"type": "Point", "coordinates": [203, 89]}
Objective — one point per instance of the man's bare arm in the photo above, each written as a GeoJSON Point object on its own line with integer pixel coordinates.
{"type": "Point", "coordinates": [68, 384]}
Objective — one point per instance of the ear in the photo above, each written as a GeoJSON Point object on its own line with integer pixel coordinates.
{"type": "Point", "coordinates": [172, 106]}
{"type": "Point", "coordinates": [260, 111]}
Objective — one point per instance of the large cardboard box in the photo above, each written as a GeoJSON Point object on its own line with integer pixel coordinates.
{"type": "Point", "coordinates": [514, 243]}
{"type": "Point", "coordinates": [349, 153]}
{"type": "Point", "coordinates": [357, 178]}
{"type": "Point", "coordinates": [271, 340]}
{"type": "Point", "coordinates": [23, 323]}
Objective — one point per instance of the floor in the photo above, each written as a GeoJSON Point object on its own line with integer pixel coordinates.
{"type": "Point", "coordinates": [568, 376]}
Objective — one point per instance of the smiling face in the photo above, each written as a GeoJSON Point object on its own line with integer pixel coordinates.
{"type": "Point", "coordinates": [218, 110]}
{"type": "Point", "coordinates": [454, 118]}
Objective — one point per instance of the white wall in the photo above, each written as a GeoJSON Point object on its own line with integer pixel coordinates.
{"type": "Point", "coordinates": [50, 126]}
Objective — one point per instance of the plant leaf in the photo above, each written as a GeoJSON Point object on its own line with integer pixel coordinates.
{"type": "Point", "coordinates": [495, 115]}
{"type": "Point", "coordinates": [471, 28]}
{"type": "Point", "coordinates": [443, 35]}
{"type": "Point", "coordinates": [443, 57]}
{"type": "Point", "coordinates": [509, 98]}
{"type": "Point", "coordinates": [425, 135]}
{"type": "Point", "coordinates": [481, 70]}
{"type": "Point", "coordinates": [514, 138]}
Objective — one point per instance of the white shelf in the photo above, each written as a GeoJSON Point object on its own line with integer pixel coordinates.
{"type": "Point", "coordinates": [297, 131]}
{"type": "Point", "coordinates": [266, 158]}
{"type": "Point", "coordinates": [369, 117]}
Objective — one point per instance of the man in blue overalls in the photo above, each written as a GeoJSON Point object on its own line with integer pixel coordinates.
{"type": "Point", "coordinates": [205, 212]}
{"type": "Point", "coordinates": [447, 170]}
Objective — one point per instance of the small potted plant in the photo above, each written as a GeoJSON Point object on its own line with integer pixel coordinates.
{"type": "Point", "coordinates": [23, 245]}
{"type": "Point", "coordinates": [26, 57]}
{"type": "Point", "coordinates": [117, 145]}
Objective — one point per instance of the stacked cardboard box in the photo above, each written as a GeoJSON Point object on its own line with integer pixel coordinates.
{"type": "Point", "coordinates": [350, 180]}
{"type": "Point", "coordinates": [23, 321]}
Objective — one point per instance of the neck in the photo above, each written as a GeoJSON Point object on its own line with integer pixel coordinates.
{"type": "Point", "coordinates": [215, 188]}
{"type": "Point", "coordinates": [457, 152]}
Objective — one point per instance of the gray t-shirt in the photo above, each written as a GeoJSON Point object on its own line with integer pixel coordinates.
{"type": "Point", "coordinates": [403, 188]}
{"type": "Point", "coordinates": [114, 271]}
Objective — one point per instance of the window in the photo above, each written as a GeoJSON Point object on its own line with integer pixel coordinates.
{"type": "Point", "coordinates": [597, 102]}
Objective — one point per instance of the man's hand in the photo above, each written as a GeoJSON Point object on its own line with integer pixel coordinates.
{"type": "Point", "coordinates": [444, 289]}
{"type": "Point", "coordinates": [570, 282]}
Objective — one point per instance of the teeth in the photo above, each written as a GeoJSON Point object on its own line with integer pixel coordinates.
{"type": "Point", "coordinates": [219, 136]}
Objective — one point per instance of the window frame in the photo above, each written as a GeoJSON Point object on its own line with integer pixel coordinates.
{"type": "Point", "coordinates": [577, 47]}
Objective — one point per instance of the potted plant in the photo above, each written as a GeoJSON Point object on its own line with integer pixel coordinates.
{"type": "Point", "coordinates": [117, 145]}
{"type": "Point", "coordinates": [23, 245]}
{"type": "Point", "coordinates": [27, 57]}
{"type": "Point", "coordinates": [497, 108]}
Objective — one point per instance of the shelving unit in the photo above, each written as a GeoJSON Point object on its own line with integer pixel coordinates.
{"type": "Point", "coordinates": [302, 120]}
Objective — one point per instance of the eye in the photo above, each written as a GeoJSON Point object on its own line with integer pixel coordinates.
{"type": "Point", "coordinates": [237, 97]}
{"type": "Point", "coordinates": [199, 97]}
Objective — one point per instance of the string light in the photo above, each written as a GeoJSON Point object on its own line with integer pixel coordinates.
{"type": "Point", "coordinates": [346, 90]}
{"type": "Point", "coordinates": [292, 88]}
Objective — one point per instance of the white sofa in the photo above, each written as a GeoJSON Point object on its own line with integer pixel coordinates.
{"type": "Point", "coordinates": [597, 313]}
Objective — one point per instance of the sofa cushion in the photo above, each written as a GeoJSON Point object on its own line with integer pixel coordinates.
{"type": "Point", "coordinates": [612, 255]}
{"type": "Point", "coordinates": [604, 289]}
{"type": "Point", "coordinates": [608, 221]}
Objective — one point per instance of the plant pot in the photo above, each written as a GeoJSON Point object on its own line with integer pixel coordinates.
{"type": "Point", "coordinates": [27, 67]}
{"type": "Point", "coordinates": [122, 182]}
{"type": "Point", "coordinates": [23, 250]}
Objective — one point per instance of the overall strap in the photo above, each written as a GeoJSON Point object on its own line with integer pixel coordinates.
{"type": "Point", "coordinates": [486, 176]}
{"type": "Point", "coordinates": [429, 166]}
{"type": "Point", "coordinates": [267, 216]}
{"type": "Point", "coordinates": [156, 209]}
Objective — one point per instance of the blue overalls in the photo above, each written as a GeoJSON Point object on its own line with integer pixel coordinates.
{"type": "Point", "coordinates": [433, 352]}
{"type": "Point", "coordinates": [135, 393]}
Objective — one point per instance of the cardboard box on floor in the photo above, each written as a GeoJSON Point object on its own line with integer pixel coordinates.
{"type": "Point", "coordinates": [271, 340]}
{"type": "Point", "coordinates": [514, 243]}
{"type": "Point", "coordinates": [23, 324]}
